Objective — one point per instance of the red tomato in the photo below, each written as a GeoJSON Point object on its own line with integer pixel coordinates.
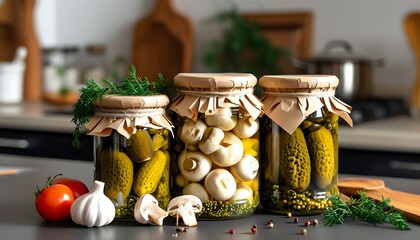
{"type": "Point", "coordinates": [77, 186]}
{"type": "Point", "coordinates": [53, 203]}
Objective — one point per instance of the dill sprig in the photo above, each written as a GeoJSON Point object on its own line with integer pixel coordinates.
{"type": "Point", "coordinates": [363, 209]}
{"type": "Point", "coordinates": [84, 110]}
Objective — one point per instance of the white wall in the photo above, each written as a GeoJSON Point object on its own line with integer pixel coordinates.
{"type": "Point", "coordinates": [373, 27]}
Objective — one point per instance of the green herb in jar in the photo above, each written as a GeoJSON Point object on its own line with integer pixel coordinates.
{"type": "Point", "coordinates": [131, 86]}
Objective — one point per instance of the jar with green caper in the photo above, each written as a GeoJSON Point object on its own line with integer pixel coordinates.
{"type": "Point", "coordinates": [216, 148]}
{"type": "Point", "coordinates": [299, 142]}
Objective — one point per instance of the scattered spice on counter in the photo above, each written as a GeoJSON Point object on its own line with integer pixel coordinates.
{"type": "Point", "coordinates": [183, 229]}
{"type": "Point", "coordinates": [270, 224]}
{"type": "Point", "coordinates": [315, 222]}
{"type": "Point", "coordinates": [303, 231]}
{"type": "Point", "coordinates": [289, 214]}
{"type": "Point", "coordinates": [232, 231]}
{"type": "Point", "coordinates": [296, 220]}
{"type": "Point", "coordinates": [307, 223]}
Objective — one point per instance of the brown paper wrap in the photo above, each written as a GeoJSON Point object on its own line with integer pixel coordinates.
{"type": "Point", "coordinates": [208, 92]}
{"type": "Point", "coordinates": [125, 113]}
{"type": "Point", "coordinates": [288, 100]}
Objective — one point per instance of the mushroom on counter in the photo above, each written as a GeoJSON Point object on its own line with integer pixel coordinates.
{"type": "Point", "coordinates": [185, 206]}
{"type": "Point", "coordinates": [147, 211]}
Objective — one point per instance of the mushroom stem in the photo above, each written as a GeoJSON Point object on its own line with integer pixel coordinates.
{"type": "Point", "coordinates": [156, 214]}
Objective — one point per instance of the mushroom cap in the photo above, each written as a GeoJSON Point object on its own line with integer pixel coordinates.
{"type": "Point", "coordinates": [211, 140]}
{"type": "Point", "coordinates": [196, 189]}
{"type": "Point", "coordinates": [229, 152]}
{"type": "Point", "coordinates": [220, 184]}
{"type": "Point", "coordinates": [141, 209]}
{"type": "Point", "coordinates": [246, 169]}
{"type": "Point", "coordinates": [222, 118]}
{"type": "Point", "coordinates": [175, 202]}
{"type": "Point", "coordinates": [242, 192]}
{"type": "Point", "coordinates": [246, 127]}
{"type": "Point", "coordinates": [192, 131]}
{"type": "Point", "coordinates": [194, 165]}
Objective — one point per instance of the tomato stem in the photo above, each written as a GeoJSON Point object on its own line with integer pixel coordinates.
{"type": "Point", "coordinates": [47, 184]}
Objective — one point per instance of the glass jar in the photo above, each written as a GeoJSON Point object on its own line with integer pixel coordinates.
{"type": "Point", "coordinates": [299, 142]}
{"type": "Point", "coordinates": [216, 149]}
{"type": "Point", "coordinates": [131, 140]}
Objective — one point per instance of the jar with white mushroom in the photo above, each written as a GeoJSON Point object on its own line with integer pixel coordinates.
{"type": "Point", "coordinates": [299, 142]}
{"type": "Point", "coordinates": [215, 154]}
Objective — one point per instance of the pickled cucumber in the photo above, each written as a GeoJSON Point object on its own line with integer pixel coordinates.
{"type": "Point", "coordinates": [116, 170]}
{"type": "Point", "coordinates": [295, 164]}
{"type": "Point", "coordinates": [321, 150]}
{"type": "Point", "coordinates": [149, 174]}
{"type": "Point", "coordinates": [140, 146]}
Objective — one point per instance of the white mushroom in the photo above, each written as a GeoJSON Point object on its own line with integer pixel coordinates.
{"type": "Point", "coordinates": [246, 169]}
{"type": "Point", "coordinates": [222, 118]}
{"type": "Point", "coordinates": [197, 190]}
{"type": "Point", "coordinates": [147, 210]}
{"type": "Point", "coordinates": [242, 192]}
{"type": "Point", "coordinates": [220, 184]}
{"type": "Point", "coordinates": [211, 140]}
{"type": "Point", "coordinates": [185, 206]}
{"type": "Point", "coordinates": [246, 127]}
{"type": "Point", "coordinates": [192, 131]}
{"type": "Point", "coordinates": [194, 165]}
{"type": "Point", "coordinates": [229, 152]}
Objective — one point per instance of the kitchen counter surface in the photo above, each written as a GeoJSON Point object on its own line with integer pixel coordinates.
{"type": "Point", "coordinates": [19, 219]}
{"type": "Point", "coordinates": [399, 134]}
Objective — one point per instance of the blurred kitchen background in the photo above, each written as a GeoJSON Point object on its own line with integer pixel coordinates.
{"type": "Point", "coordinates": [97, 38]}
{"type": "Point", "coordinates": [374, 28]}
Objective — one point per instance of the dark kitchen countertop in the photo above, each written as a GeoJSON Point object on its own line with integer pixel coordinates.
{"type": "Point", "coordinates": [19, 219]}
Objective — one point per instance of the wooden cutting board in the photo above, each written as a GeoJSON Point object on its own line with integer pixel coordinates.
{"type": "Point", "coordinates": [17, 29]}
{"type": "Point", "coordinates": [408, 203]}
{"type": "Point", "coordinates": [163, 43]}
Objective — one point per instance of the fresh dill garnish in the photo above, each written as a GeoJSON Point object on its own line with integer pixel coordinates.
{"type": "Point", "coordinates": [133, 85]}
{"type": "Point", "coordinates": [363, 209]}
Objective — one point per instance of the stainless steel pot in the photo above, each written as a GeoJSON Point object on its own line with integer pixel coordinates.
{"type": "Point", "coordinates": [354, 72]}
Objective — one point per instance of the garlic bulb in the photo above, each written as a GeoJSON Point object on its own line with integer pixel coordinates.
{"type": "Point", "coordinates": [93, 209]}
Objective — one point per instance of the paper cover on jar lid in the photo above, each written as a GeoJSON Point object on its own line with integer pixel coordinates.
{"type": "Point", "coordinates": [125, 113]}
{"type": "Point", "coordinates": [289, 99]}
{"type": "Point", "coordinates": [208, 92]}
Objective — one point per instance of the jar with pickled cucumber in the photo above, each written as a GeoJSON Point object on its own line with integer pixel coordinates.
{"type": "Point", "coordinates": [216, 148]}
{"type": "Point", "coordinates": [132, 141]}
{"type": "Point", "coordinates": [299, 142]}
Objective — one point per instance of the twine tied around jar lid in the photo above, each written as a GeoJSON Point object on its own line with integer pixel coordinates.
{"type": "Point", "coordinates": [125, 113]}
{"type": "Point", "coordinates": [289, 99]}
{"type": "Point", "coordinates": [208, 92]}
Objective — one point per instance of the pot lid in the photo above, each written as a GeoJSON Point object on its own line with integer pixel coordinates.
{"type": "Point", "coordinates": [338, 51]}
